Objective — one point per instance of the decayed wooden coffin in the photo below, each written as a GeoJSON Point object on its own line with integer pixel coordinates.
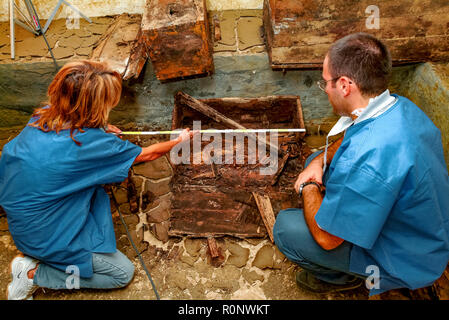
{"type": "Point", "coordinates": [299, 33]}
{"type": "Point", "coordinates": [176, 33]}
{"type": "Point", "coordinates": [211, 199]}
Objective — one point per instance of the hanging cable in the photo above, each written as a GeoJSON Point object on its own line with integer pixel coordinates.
{"type": "Point", "coordinates": [134, 246]}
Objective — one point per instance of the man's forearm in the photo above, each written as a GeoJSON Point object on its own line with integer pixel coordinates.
{"type": "Point", "coordinates": [312, 199]}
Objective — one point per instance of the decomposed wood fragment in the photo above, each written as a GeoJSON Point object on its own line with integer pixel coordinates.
{"type": "Point", "coordinates": [213, 247]}
{"type": "Point", "coordinates": [266, 211]}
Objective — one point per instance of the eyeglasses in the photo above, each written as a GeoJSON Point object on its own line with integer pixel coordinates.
{"type": "Point", "coordinates": [323, 83]}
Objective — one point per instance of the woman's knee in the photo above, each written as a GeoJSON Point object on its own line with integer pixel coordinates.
{"type": "Point", "coordinates": [127, 273]}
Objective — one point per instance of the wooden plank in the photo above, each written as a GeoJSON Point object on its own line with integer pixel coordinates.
{"type": "Point", "coordinates": [213, 247]}
{"type": "Point", "coordinates": [137, 58]}
{"type": "Point", "coordinates": [266, 211]}
{"type": "Point", "coordinates": [205, 109]}
{"type": "Point", "coordinates": [177, 35]}
{"type": "Point", "coordinates": [217, 116]}
{"type": "Point", "coordinates": [299, 33]}
{"type": "Point", "coordinates": [120, 46]}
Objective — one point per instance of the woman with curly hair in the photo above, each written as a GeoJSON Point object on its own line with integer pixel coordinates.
{"type": "Point", "coordinates": [51, 184]}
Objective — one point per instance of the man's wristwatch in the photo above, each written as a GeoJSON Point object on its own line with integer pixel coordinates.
{"type": "Point", "coordinates": [301, 187]}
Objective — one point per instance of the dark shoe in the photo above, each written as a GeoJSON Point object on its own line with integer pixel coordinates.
{"type": "Point", "coordinates": [306, 280]}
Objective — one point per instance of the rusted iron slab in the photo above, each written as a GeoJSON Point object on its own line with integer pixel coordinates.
{"type": "Point", "coordinates": [177, 35]}
{"type": "Point", "coordinates": [121, 46]}
{"type": "Point", "coordinates": [299, 33]}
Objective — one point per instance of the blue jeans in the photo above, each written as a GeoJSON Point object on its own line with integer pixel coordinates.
{"type": "Point", "coordinates": [294, 240]}
{"type": "Point", "coordinates": [111, 270]}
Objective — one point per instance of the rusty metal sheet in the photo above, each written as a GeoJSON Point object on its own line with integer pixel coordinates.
{"type": "Point", "coordinates": [177, 36]}
{"type": "Point", "coordinates": [299, 33]}
{"type": "Point", "coordinates": [214, 201]}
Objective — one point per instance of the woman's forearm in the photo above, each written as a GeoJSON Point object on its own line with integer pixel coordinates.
{"type": "Point", "coordinates": [156, 150]}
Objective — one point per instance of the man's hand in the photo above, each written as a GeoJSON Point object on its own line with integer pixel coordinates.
{"type": "Point", "coordinates": [313, 172]}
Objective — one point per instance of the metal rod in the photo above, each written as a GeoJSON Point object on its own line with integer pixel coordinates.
{"type": "Point", "coordinates": [211, 131]}
{"type": "Point", "coordinates": [39, 29]}
{"type": "Point", "coordinates": [11, 28]}
{"type": "Point", "coordinates": [28, 22]}
{"type": "Point", "coordinates": [52, 15]}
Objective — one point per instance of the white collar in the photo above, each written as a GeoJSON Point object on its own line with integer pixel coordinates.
{"type": "Point", "coordinates": [376, 106]}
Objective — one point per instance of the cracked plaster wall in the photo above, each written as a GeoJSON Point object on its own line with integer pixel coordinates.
{"type": "Point", "coordinates": [96, 8]}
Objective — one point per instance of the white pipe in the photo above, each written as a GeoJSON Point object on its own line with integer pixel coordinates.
{"type": "Point", "coordinates": [11, 28]}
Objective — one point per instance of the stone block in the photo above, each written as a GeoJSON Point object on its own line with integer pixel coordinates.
{"type": "Point", "coordinates": [120, 194]}
{"type": "Point", "coordinates": [186, 258]}
{"type": "Point", "coordinates": [227, 21]}
{"type": "Point", "coordinates": [264, 257]}
{"type": "Point", "coordinates": [193, 246]}
{"type": "Point", "coordinates": [249, 33]}
{"type": "Point", "coordinates": [239, 255]}
{"type": "Point", "coordinates": [63, 53]}
{"type": "Point", "coordinates": [158, 214]}
{"type": "Point", "coordinates": [160, 231]}
{"type": "Point", "coordinates": [158, 188]}
{"type": "Point", "coordinates": [156, 169]}
{"type": "Point", "coordinates": [251, 276]}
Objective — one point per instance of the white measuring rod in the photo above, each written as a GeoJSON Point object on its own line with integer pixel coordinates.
{"type": "Point", "coordinates": [212, 131]}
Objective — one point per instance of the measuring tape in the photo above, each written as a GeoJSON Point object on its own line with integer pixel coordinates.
{"type": "Point", "coordinates": [211, 131]}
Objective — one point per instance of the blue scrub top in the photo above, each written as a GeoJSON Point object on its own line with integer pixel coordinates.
{"type": "Point", "coordinates": [388, 194]}
{"type": "Point", "coordinates": [51, 190]}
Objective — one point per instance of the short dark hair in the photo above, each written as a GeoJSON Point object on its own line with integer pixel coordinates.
{"type": "Point", "coordinates": [363, 58]}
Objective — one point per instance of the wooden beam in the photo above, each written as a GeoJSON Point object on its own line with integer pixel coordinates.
{"type": "Point", "coordinates": [121, 46]}
{"type": "Point", "coordinates": [266, 211]}
{"type": "Point", "coordinates": [217, 116]}
{"type": "Point", "coordinates": [177, 35]}
{"type": "Point", "coordinates": [299, 33]}
{"type": "Point", "coordinates": [206, 110]}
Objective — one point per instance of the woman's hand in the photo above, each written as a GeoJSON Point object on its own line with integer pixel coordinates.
{"type": "Point", "coordinates": [157, 150]}
{"type": "Point", "coordinates": [313, 172]}
{"type": "Point", "coordinates": [113, 129]}
{"type": "Point", "coordinates": [186, 135]}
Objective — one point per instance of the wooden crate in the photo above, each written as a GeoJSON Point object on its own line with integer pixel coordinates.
{"type": "Point", "coordinates": [210, 202]}
{"type": "Point", "coordinates": [176, 33]}
{"type": "Point", "coordinates": [299, 33]}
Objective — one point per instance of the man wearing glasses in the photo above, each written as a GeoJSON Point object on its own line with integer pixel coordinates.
{"type": "Point", "coordinates": [375, 202]}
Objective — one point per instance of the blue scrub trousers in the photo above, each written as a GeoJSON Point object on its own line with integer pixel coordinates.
{"type": "Point", "coordinates": [294, 240]}
{"type": "Point", "coordinates": [111, 270]}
